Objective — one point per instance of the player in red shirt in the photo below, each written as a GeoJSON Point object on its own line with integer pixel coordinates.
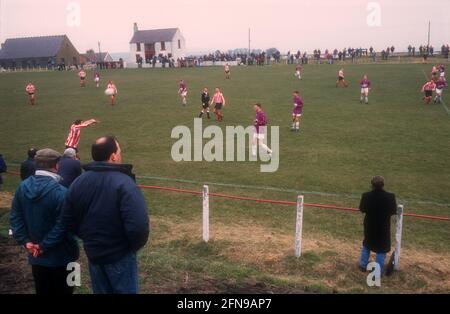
{"type": "Point", "coordinates": [111, 90]}
{"type": "Point", "coordinates": [341, 78]}
{"type": "Point", "coordinates": [428, 89]}
{"type": "Point", "coordinates": [31, 91]}
{"type": "Point", "coordinates": [219, 102]}
{"type": "Point", "coordinates": [82, 75]}
{"type": "Point", "coordinates": [75, 132]}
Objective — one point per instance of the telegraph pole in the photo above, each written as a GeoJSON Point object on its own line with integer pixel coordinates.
{"type": "Point", "coordinates": [429, 32]}
{"type": "Point", "coordinates": [249, 46]}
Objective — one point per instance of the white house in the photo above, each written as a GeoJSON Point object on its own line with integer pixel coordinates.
{"type": "Point", "coordinates": [167, 42]}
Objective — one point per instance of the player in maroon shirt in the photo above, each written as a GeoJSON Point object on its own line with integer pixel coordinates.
{"type": "Point", "coordinates": [297, 112]}
{"type": "Point", "coordinates": [440, 85]}
{"type": "Point", "coordinates": [365, 88]}
{"type": "Point", "coordinates": [259, 135]}
{"type": "Point", "coordinates": [298, 71]}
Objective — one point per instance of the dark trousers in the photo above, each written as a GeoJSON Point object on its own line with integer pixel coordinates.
{"type": "Point", "coordinates": [51, 280]}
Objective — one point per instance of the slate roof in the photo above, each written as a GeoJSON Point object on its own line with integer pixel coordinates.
{"type": "Point", "coordinates": [31, 47]}
{"type": "Point", "coordinates": [96, 57]}
{"type": "Point", "coordinates": [154, 35]}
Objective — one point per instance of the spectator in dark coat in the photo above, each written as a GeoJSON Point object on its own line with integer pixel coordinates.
{"type": "Point", "coordinates": [107, 210]}
{"type": "Point", "coordinates": [28, 167]}
{"type": "Point", "coordinates": [3, 168]}
{"type": "Point", "coordinates": [35, 209]}
{"type": "Point", "coordinates": [378, 207]}
{"type": "Point", "coordinates": [69, 167]}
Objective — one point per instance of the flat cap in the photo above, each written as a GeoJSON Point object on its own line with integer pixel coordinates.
{"type": "Point", "coordinates": [47, 155]}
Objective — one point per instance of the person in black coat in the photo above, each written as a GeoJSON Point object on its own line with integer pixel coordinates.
{"type": "Point", "coordinates": [3, 168]}
{"type": "Point", "coordinates": [378, 207]}
{"type": "Point", "coordinates": [28, 167]}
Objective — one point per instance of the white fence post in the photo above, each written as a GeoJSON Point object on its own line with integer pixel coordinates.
{"type": "Point", "coordinates": [205, 213]}
{"type": "Point", "coordinates": [299, 227]}
{"type": "Point", "coordinates": [398, 237]}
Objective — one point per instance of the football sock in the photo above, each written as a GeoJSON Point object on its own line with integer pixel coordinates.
{"type": "Point", "coordinates": [367, 99]}
{"type": "Point", "coordinates": [266, 148]}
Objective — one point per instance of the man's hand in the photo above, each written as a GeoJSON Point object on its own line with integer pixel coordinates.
{"type": "Point", "coordinates": [33, 249]}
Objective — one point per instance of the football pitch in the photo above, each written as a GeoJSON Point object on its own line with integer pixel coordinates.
{"type": "Point", "coordinates": [342, 144]}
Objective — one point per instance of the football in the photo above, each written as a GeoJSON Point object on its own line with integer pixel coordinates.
{"type": "Point", "coordinates": [110, 92]}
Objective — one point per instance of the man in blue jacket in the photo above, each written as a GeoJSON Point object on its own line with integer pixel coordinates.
{"type": "Point", "coordinates": [35, 210]}
{"type": "Point", "coordinates": [106, 209]}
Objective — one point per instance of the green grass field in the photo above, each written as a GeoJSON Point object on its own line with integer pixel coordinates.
{"type": "Point", "coordinates": [342, 145]}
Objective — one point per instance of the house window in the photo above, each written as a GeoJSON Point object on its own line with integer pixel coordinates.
{"type": "Point", "coordinates": [138, 47]}
{"type": "Point", "coordinates": [163, 45]}
{"type": "Point", "coordinates": [179, 44]}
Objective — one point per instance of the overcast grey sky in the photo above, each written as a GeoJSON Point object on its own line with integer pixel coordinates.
{"type": "Point", "coordinates": [208, 25]}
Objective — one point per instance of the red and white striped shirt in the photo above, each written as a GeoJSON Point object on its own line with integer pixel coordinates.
{"type": "Point", "coordinates": [112, 86]}
{"type": "Point", "coordinates": [30, 89]}
{"type": "Point", "coordinates": [74, 135]}
{"type": "Point", "coordinates": [218, 98]}
{"type": "Point", "coordinates": [429, 86]}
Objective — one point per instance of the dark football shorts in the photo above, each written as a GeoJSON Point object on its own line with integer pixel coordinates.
{"type": "Point", "coordinates": [428, 93]}
{"type": "Point", "coordinates": [218, 106]}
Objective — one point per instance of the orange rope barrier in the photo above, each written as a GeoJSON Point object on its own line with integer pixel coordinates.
{"type": "Point", "coordinates": [279, 202]}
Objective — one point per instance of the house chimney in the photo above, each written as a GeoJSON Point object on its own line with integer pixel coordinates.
{"type": "Point", "coordinates": [135, 28]}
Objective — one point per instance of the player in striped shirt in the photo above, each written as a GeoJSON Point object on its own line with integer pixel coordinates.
{"type": "Point", "coordinates": [260, 128]}
{"type": "Point", "coordinates": [365, 88]}
{"type": "Point", "coordinates": [31, 91]}
{"type": "Point", "coordinates": [113, 88]}
{"type": "Point", "coordinates": [183, 91]}
{"type": "Point", "coordinates": [297, 112]}
{"type": "Point", "coordinates": [75, 132]}
{"type": "Point", "coordinates": [428, 89]}
{"type": "Point", "coordinates": [341, 78]}
{"type": "Point", "coordinates": [219, 102]}
{"type": "Point", "coordinates": [82, 75]}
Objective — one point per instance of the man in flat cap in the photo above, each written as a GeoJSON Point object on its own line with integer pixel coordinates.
{"type": "Point", "coordinates": [378, 207]}
{"type": "Point", "coordinates": [35, 210]}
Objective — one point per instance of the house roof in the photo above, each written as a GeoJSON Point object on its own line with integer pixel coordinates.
{"type": "Point", "coordinates": [98, 57]}
{"type": "Point", "coordinates": [154, 35]}
{"type": "Point", "coordinates": [31, 47]}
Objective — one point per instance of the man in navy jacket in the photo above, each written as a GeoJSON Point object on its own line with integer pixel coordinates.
{"type": "Point", "coordinates": [69, 167]}
{"type": "Point", "coordinates": [378, 206]}
{"type": "Point", "coordinates": [35, 210]}
{"type": "Point", "coordinates": [106, 209]}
